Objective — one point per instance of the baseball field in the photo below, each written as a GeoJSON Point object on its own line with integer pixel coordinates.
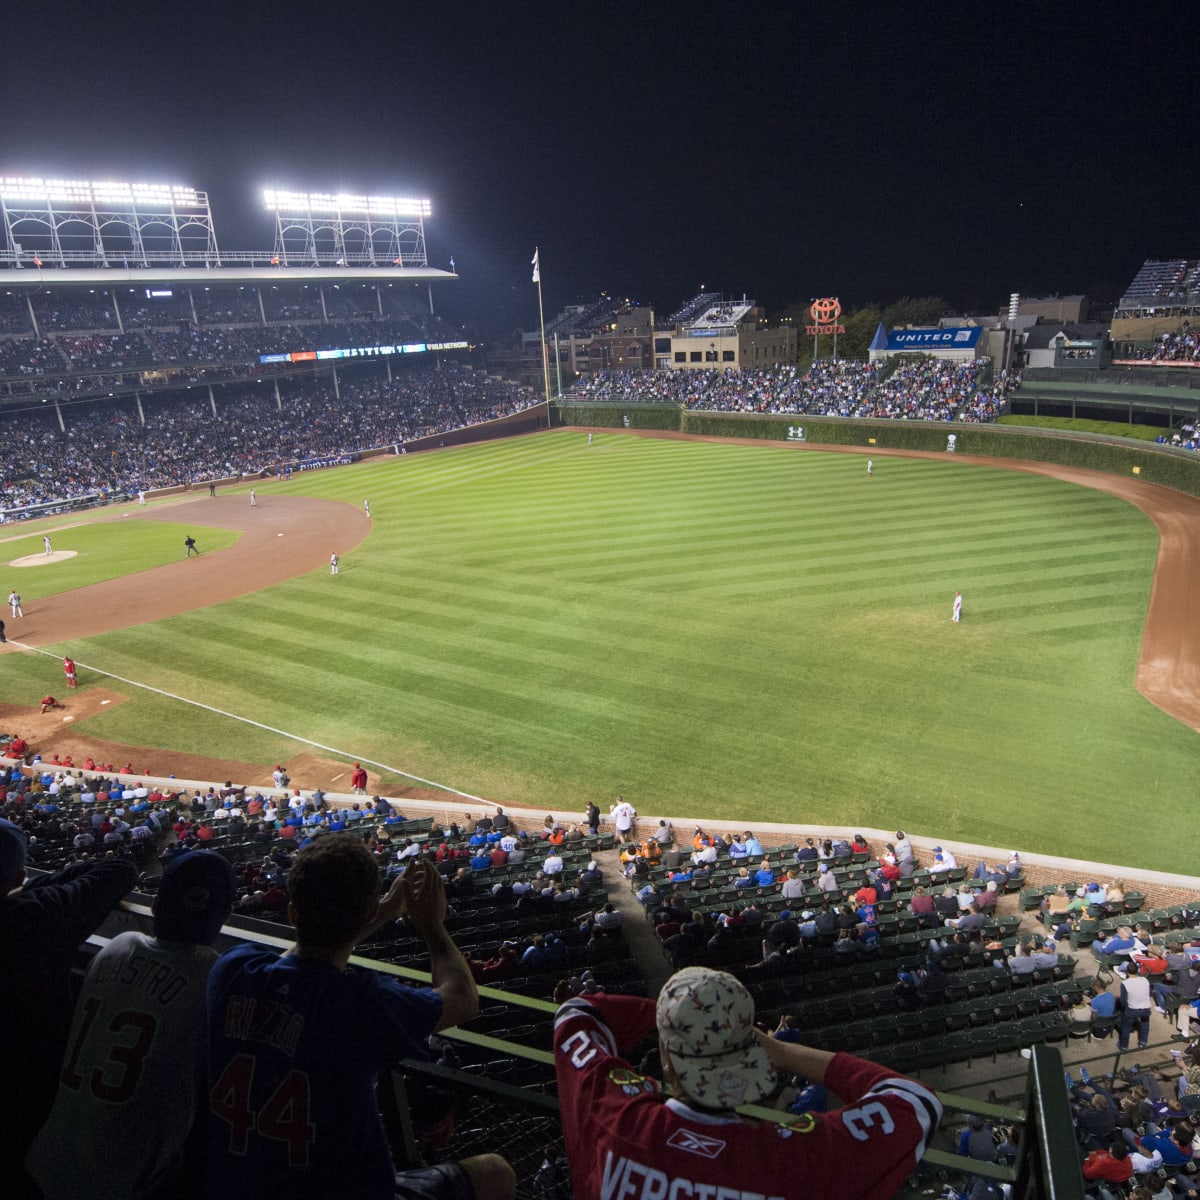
{"type": "Point", "coordinates": [710, 629]}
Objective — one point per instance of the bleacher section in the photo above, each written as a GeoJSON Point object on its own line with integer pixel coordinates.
{"type": "Point", "coordinates": [925, 391]}
{"type": "Point", "coordinates": [696, 305]}
{"type": "Point", "coordinates": [1162, 284]}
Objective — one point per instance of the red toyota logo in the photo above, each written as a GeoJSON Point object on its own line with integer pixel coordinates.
{"type": "Point", "coordinates": [826, 310]}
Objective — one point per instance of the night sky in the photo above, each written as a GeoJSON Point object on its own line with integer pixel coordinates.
{"type": "Point", "coordinates": [787, 151]}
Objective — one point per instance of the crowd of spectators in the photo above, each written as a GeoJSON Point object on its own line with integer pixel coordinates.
{"type": "Point", "coordinates": [923, 389]}
{"type": "Point", "coordinates": [97, 817]}
{"type": "Point", "coordinates": [1183, 345]}
{"type": "Point", "coordinates": [95, 832]}
{"type": "Point", "coordinates": [59, 359]}
{"type": "Point", "coordinates": [107, 452]}
{"type": "Point", "coordinates": [59, 311]}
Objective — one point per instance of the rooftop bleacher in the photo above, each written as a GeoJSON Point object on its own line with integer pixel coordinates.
{"type": "Point", "coordinates": [1162, 284]}
{"type": "Point", "coordinates": [696, 304]}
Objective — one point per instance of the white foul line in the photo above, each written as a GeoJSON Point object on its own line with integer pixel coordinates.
{"type": "Point", "coordinates": [445, 787]}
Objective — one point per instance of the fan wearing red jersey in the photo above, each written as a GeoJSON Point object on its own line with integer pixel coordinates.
{"type": "Point", "coordinates": [626, 1136]}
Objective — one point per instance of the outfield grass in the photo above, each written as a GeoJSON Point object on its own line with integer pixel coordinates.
{"type": "Point", "coordinates": [725, 631]}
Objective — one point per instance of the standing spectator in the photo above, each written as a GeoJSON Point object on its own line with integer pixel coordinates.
{"type": "Point", "coordinates": [1135, 998]}
{"type": "Point", "coordinates": [623, 815]}
{"type": "Point", "coordinates": [143, 995]}
{"type": "Point", "coordinates": [593, 818]}
{"type": "Point", "coordinates": [42, 923]}
{"type": "Point", "coordinates": [621, 1132]}
{"type": "Point", "coordinates": [293, 1108]}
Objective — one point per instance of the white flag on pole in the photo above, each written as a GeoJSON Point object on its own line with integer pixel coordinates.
{"type": "Point", "coordinates": [537, 270]}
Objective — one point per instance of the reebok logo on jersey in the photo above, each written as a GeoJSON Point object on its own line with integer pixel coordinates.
{"type": "Point", "coordinates": [691, 1142]}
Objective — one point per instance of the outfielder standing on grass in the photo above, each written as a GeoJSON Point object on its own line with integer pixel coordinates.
{"type": "Point", "coordinates": [957, 614]}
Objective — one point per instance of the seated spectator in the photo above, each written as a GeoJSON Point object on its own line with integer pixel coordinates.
{"type": "Point", "coordinates": [1121, 945]}
{"type": "Point", "coordinates": [1103, 1003]}
{"type": "Point", "coordinates": [906, 991]}
{"type": "Point", "coordinates": [1150, 961]}
{"type": "Point", "coordinates": [946, 904]}
{"type": "Point", "coordinates": [826, 880]}
{"type": "Point", "coordinates": [606, 920]}
{"type": "Point", "coordinates": [1109, 1165]}
{"type": "Point", "coordinates": [502, 965]}
{"type": "Point", "coordinates": [1021, 962]}
{"type": "Point", "coordinates": [1096, 1120]}
{"type": "Point", "coordinates": [1045, 957]}
{"type": "Point", "coordinates": [793, 886]}
{"type": "Point", "coordinates": [591, 875]}
{"type": "Point", "coordinates": [976, 1141]}
{"type": "Point", "coordinates": [553, 864]}
{"type": "Point", "coordinates": [943, 860]}
{"type": "Point", "coordinates": [764, 877]}
{"type": "Point", "coordinates": [1175, 1145]}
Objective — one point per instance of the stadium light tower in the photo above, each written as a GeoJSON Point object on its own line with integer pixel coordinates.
{"type": "Point", "coordinates": [106, 223]}
{"type": "Point", "coordinates": [1014, 311]}
{"type": "Point", "coordinates": [320, 229]}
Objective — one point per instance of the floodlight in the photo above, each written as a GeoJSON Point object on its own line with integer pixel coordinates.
{"type": "Point", "coordinates": [300, 204]}
{"type": "Point", "coordinates": [81, 191]}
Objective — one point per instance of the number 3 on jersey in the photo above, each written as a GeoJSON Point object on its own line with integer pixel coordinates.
{"type": "Point", "coordinates": [283, 1118]}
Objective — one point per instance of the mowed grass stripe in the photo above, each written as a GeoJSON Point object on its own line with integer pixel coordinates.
{"type": "Point", "coordinates": [718, 627]}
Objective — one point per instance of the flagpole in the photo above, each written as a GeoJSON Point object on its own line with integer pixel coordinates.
{"type": "Point", "coordinates": [537, 275]}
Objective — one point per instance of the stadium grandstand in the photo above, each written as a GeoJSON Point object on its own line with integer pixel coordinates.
{"type": "Point", "coordinates": [887, 949]}
{"type": "Point", "coordinates": [121, 322]}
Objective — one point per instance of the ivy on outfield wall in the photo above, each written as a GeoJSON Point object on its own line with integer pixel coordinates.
{"type": "Point", "coordinates": [1174, 470]}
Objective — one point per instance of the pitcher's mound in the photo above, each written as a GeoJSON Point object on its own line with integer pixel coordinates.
{"type": "Point", "coordinates": [41, 560]}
